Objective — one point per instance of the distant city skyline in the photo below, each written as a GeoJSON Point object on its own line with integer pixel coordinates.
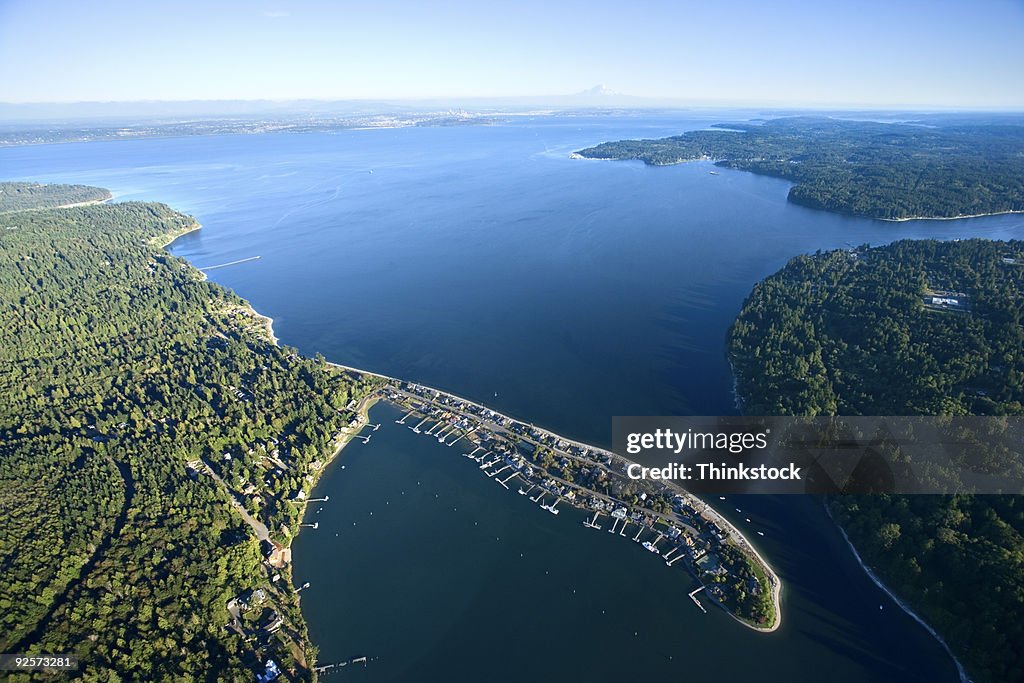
{"type": "Point", "coordinates": [792, 53]}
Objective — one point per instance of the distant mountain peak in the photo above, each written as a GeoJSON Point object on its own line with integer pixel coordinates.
{"type": "Point", "coordinates": [598, 91]}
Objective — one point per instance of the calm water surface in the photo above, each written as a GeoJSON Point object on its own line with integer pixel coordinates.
{"type": "Point", "coordinates": [484, 261]}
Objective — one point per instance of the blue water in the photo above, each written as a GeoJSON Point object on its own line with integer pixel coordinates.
{"type": "Point", "coordinates": [484, 261]}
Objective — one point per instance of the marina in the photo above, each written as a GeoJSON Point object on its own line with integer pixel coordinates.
{"type": "Point", "coordinates": [591, 479]}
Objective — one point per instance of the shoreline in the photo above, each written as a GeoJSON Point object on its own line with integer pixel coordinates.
{"type": "Point", "coordinates": [72, 205]}
{"type": "Point", "coordinates": [961, 671]}
{"type": "Point", "coordinates": [952, 218]}
{"type": "Point", "coordinates": [164, 241]}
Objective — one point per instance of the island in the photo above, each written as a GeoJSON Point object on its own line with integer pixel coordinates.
{"type": "Point", "coordinates": [160, 449]}
{"type": "Point", "coordinates": [912, 328]}
{"type": "Point", "coordinates": [938, 168]}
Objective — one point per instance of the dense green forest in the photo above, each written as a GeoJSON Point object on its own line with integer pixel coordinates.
{"type": "Point", "coordinates": [878, 170]}
{"type": "Point", "coordinates": [849, 332]}
{"type": "Point", "coordinates": [23, 196]}
{"type": "Point", "coordinates": [123, 371]}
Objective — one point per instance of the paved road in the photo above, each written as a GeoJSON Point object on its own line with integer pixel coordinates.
{"type": "Point", "coordinates": [261, 530]}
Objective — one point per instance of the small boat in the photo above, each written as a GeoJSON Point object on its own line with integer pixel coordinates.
{"type": "Point", "coordinates": [748, 519]}
{"type": "Point", "coordinates": [760, 533]}
{"type": "Point", "coordinates": [738, 510]}
{"type": "Point", "coordinates": [721, 498]}
{"type": "Point", "coordinates": [712, 172]}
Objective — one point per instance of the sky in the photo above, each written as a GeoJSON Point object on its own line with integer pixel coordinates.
{"type": "Point", "coordinates": [870, 53]}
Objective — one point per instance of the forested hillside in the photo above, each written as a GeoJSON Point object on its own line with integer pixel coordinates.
{"type": "Point", "coordinates": [855, 333]}
{"type": "Point", "coordinates": [124, 373]}
{"type": "Point", "coordinates": [23, 196]}
{"type": "Point", "coordinates": [863, 168]}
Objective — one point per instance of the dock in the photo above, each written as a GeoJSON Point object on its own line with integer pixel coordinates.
{"type": "Point", "coordinates": [693, 596]}
{"type": "Point", "coordinates": [230, 263]}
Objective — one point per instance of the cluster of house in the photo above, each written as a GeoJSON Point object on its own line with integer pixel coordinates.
{"type": "Point", "coordinates": [698, 539]}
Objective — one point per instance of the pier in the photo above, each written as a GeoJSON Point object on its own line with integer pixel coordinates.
{"type": "Point", "coordinates": [510, 478]}
{"type": "Point", "coordinates": [417, 427]}
{"type": "Point", "coordinates": [592, 524]}
{"type": "Point", "coordinates": [673, 560]}
{"type": "Point", "coordinates": [637, 537]}
{"type": "Point", "coordinates": [497, 472]}
{"type": "Point", "coordinates": [229, 263]}
{"type": "Point", "coordinates": [402, 420]}
{"type": "Point", "coordinates": [693, 596]}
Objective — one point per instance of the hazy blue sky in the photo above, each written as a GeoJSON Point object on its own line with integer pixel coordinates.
{"type": "Point", "coordinates": [867, 52]}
